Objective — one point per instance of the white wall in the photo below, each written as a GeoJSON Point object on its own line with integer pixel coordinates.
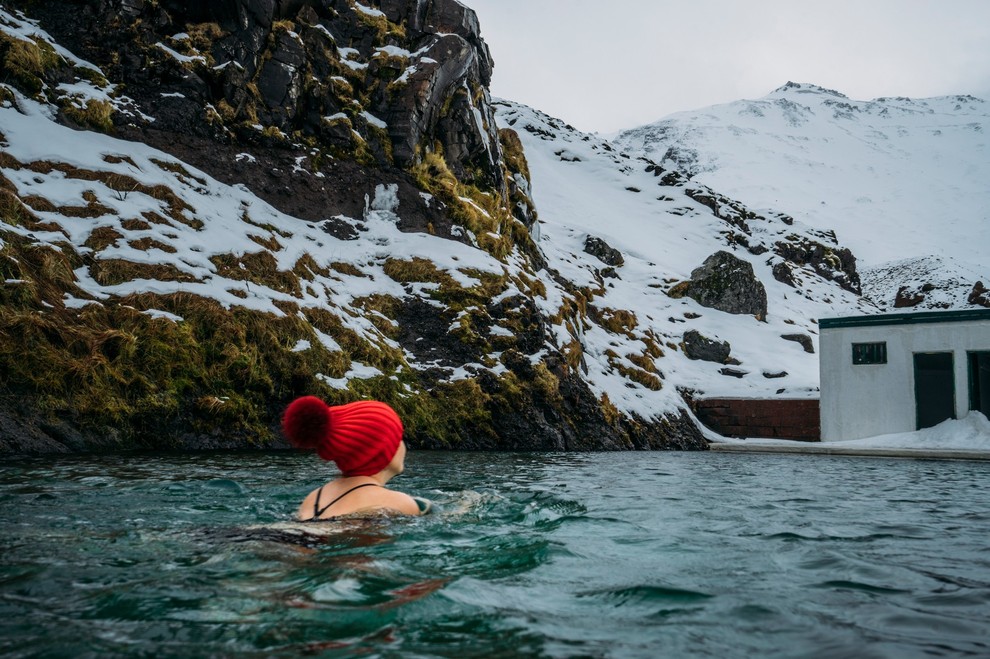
{"type": "Point", "coordinates": [877, 399]}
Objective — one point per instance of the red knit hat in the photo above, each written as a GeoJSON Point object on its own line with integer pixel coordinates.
{"type": "Point", "coordinates": [362, 437]}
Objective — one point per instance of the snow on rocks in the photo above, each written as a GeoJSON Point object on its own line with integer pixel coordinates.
{"type": "Point", "coordinates": [664, 231]}
{"type": "Point", "coordinates": [895, 178]}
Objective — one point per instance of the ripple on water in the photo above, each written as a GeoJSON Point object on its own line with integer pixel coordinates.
{"type": "Point", "coordinates": [641, 594]}
{"type": "Point", "coordinates": [844, 584]}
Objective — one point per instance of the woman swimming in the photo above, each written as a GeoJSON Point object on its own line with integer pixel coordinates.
{"type": "Point", "coordinates": [364, 439]}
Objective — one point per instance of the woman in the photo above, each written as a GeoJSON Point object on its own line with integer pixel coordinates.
{"type": "Point", "coordinates": [365, 440]}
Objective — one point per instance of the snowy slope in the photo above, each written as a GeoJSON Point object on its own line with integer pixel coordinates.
{"type": "Point", "coordinates": [896, 178]}
{"type": "Point", "coordinates": [583, 186]}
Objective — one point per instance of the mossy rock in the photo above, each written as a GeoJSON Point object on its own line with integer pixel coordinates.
{"type": "Point", "coordinates": [728, 283]}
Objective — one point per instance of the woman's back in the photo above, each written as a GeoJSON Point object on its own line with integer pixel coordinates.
{"type": "Point", "coordinates": [355, 496]}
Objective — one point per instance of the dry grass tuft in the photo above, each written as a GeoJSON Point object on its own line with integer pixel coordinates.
{"type": "Point", "coordinates": [617, 321]}
{"type": "Point", "coordinates": [306, 267]}
{"type": "Point", "coordinates": [27, 62]}
{"type": "Point", "coordinates": [347, 269]}
{"type": "Point", "coordinates": [39, 204]}
{"type": "Point", "coordinates": [154, 218]}
{"type": "Point", "coordinates": [134, 224]}
{"type": "Point", "coordinates": [269, 242]}
{"type": "Point", "coordinates": [116, 160]}
{"type": "Point", "coordinates": [111, 272]}
{"type": "Point", "coordinates": [417, 270]}
{"type": "Point", "coordinates": [144, 244]}
{"type": "Point", "coordinates": [96, 114]}
{"type": "Point", "coordinates": [260, 268]}
{"type": "Point", "coordinates": [102, 237]}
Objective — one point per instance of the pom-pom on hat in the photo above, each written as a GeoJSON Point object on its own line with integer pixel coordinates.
{"type": "Point", "coordinates": [362, 437]}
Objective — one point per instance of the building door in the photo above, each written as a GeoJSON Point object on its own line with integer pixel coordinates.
{"type": "Point", "coordinates": [934, 388]}
{"type": "Point", "coordinates": [979, 382]}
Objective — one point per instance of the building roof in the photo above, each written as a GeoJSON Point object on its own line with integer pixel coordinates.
{"type": "Point", "coordinates": [917, 318]}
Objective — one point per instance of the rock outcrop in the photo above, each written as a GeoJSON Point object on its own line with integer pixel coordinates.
{"type": "Point", "coordinates": [699, 346]}
{"type": "Point", "coordinates": [388, 82]}
{"type": "Point", "coordinates": [829, 261]}
{"type": "Point", "coordinates": [727, 283]}
{"type": "Point", "coordinates": [980, 295]}
{"type": "Point", "coordinates": [603, 251]}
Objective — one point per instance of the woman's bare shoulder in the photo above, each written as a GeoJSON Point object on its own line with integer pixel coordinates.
{"type": "Point", "coordinates": [400, 502]}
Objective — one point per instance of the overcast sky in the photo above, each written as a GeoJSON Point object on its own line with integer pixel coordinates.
{"type": "Point", "coordinates": [603, 65]}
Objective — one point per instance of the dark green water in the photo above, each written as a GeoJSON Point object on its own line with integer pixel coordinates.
{"type": "Point", "coordinates": [603, 555]}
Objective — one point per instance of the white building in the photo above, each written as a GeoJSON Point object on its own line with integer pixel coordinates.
{"type": "Point", "coordinates": [901, 372]}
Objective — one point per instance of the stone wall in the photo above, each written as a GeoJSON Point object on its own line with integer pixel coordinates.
{"type": "Point", "coordinates": [747, 417]}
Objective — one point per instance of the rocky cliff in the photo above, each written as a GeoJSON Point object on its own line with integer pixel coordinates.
{"type": "Point", "coordinates": [211, 208]}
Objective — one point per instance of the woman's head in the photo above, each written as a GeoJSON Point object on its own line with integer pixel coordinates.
{"type": "Point", "coordinates": [362, 437]}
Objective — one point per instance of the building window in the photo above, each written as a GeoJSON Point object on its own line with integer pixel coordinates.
{"type": "Point", "coordinates": [870, 353]}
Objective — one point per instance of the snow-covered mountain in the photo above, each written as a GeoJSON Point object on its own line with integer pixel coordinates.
{"type": "Point", "coordinates": [665, 227]}
{"type": "Point", "coordinates": [901, 181]}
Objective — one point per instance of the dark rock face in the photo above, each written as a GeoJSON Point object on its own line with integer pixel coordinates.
{"type": "Point", "coordinates": [980, 295]}
{"type": "Point", "coordinates": [831, 263]}
{"type": "Point", "coordinates": [603, 251]}
{"type": "Point", "coordinates": [803, 339]}
{"type": "Point", "coordinates": [727, 283]}
{"type": "Point", "coordinates": [783, 273]}
{"type": "Point", "coordinates": [699, 346]}
{"type": "Point", "coordinates": [421, 67]}
{"type": "Point", "coordinates": [908, 297]}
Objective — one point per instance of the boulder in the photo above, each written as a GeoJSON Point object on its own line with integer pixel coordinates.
{"type": "Point", "coordinates": [727, 283]}
{"type": "Point", "coordinates": [784, 273]}
{"type": "Point", "coordinates": [699, 347]}
{"type": "Point", "coordinates": [831, 262]}
{"type": "Point", "coordinates": [980, 295]}
{"type": "Point", "coordinates": [803, 339]}
{"type": "Point", "coordinates": [603, 251]}
{"type": "Point", "coordinates": [908, 297]}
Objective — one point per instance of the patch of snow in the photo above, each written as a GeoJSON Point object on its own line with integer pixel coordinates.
{"type": "Point", "coordinates": [394, 51]}
{"type": "Point", "coordinates": [157, 313]}
{"type": "Point", "coordinates": [322, 28]}
{"type": "Point", "coordinates": [971, 433]}
{"type": "Point", "coordinates": [179, 57]}
{"type": "Point", "coordinates": [374, 121]}
{"type": "Point", "coordinates": [386, 198]}
{"type": "Point", "coordinates": [71, 302]}
{"type": "Point", "coordinates": [358, 371]}
{"type": "Point", "coordinates": [369, 11]}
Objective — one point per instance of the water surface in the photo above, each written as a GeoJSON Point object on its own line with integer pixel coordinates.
{"type": "Point", "coordinates": [560, 555]}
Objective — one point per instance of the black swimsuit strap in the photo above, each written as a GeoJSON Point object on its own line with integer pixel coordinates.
{"type": "Point", "coordinates": [318, 512]}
